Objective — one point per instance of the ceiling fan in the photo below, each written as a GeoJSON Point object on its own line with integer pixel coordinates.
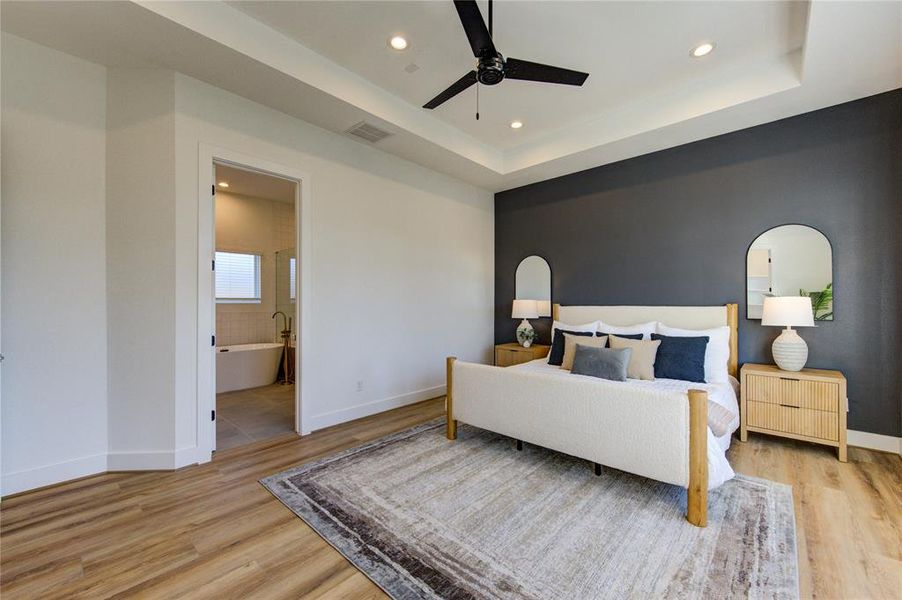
{"type": "Point", "coordinates": [491, 66]}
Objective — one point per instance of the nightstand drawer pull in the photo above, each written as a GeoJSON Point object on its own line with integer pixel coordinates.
{"type": "Point", "coordinates": [790, 406]}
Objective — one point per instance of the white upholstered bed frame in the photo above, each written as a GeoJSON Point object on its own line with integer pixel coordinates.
{"type": "Point", "coordinates": [660, 438]}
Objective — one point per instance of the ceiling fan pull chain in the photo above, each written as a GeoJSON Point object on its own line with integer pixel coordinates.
{"type": "Point", "coordinates": [477, 100]}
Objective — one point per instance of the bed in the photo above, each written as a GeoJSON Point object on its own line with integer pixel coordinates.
{"type": "Point", "coordinates": [656, 429]}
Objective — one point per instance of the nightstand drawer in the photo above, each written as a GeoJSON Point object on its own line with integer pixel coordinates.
{"type": "Point", "coordinates": [789, 391]}
{"type": "Point", "coordinates": [507, 355]}
{"type": "Point", "coordinates": [800, 421]}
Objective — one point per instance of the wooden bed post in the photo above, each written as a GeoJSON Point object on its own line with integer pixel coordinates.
{"type": "Point", "coordinates": [449, 401]}
{"type": "Point", "coordinates": [733, 322]}
{"type": "Point", "coordinates": [697, 504]}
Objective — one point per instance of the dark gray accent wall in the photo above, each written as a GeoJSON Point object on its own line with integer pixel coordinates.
{"type": "Point", "coordinates": [673, 228]}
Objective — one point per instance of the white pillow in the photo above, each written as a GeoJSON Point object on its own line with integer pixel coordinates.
{"type": "Point", "coordinates": [591, 327]}
{"type": "Point", "coordinates": [717, 353]}
{"type": "Point", "coordinates": [646, 329]}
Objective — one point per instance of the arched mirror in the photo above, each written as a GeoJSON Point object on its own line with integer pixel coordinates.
{"type": "Point", "coordinates": [790, 260]}
{"type": "Point", "coordinates": [534, 283]}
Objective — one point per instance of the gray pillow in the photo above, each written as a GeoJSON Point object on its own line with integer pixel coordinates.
{"type": "Point", "coordinates": [606, 363]}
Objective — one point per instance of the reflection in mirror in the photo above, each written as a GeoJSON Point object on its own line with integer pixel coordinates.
{"type": "Point", "coordinates": [790, 260]}
{"type": "Point", "coordinates": [534, 283]}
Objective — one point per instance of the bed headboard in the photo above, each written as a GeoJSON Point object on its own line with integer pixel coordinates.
{"type": "Point", "coordinates": [685, 317]}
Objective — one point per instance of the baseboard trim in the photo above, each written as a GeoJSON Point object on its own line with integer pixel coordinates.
{"type": "Point", "coordinates": [23, 481]}
{"type": "Point", "coordinates": [874, 441]}
{"type": "Point", "coordinates": [366, 409]}
{"type": "Point", "coordinates": [141, 461]}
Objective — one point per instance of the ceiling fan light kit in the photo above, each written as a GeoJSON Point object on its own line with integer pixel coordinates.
{"type": "Point", "coordinates": [491, 67]}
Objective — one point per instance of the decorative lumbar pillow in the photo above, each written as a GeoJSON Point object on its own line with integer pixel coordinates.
{"type": "Point", "coordinates": [570, 343]}
{"type": "Point", "coordinates": [642, 361]}
{"type": "Point", "coordinates": [646, 329]}
{"type": "Point", "coordinates": [605, 363]}
{"type": "Point", "coordinates": [717, 354]}
{"type": "Point", "coordinates": [556, 355]}
{"type": "Point", "coordinates": [681, 358]}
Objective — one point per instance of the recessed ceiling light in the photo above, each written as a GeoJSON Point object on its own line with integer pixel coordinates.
{"type": "Point", "coordinates": [223, 184]}
{"type": "Point", "coordinates": [516, 124]}
{"type": "Point", "coordinates": [702, 49]}
{"type": "Point", "coordinates": [398, 43]}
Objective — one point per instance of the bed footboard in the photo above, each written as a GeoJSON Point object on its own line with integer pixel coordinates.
{"type": "Point", "coordinates": [697, 502]}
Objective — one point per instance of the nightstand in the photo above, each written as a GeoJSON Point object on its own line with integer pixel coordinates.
{"type": "Point", "coordinates": [807, 405]}
{"type": "Point", "coordinates": [507, 355]}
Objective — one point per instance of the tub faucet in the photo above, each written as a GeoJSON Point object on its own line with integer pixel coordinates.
{"type": "Point", "coordinates": [286, 327]}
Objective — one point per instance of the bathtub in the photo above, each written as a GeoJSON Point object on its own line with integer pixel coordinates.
{"type": "Point", "coordinates": [246, 366]}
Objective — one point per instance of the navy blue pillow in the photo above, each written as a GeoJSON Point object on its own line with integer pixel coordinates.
{"type": "Point", "coordinates": [556, 355]}
{"type": "Point", "coordinates": [628, 336]}
{"type": "Point", "coordinates": [681, 358]}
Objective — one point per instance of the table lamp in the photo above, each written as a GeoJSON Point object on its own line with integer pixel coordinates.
{"type": "Point", "coordinates": [790, 351]}
{"type": "Point", "coordinates": [525, 309]}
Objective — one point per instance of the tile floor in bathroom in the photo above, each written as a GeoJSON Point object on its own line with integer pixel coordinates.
{"type": "Point", "coordinates": [246, 416]}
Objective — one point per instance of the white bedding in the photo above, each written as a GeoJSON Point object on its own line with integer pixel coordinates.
{"type": "Point", "coordinates": [515, 402]}
{"type": "Point", "coordinates": [721, 393]}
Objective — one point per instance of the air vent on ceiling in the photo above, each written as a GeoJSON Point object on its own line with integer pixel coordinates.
{"type": "Point", "coordinates": [368, 132]}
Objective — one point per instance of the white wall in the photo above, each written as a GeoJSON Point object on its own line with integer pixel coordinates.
{"type": "Point", "coordinates": [100, 237]}
{"type": "Point", "coordinates": [401, 264]}
{"type": "Point", "coordinates": [54, 412]}
{"type": "Point", "coordinates": [140, 238]}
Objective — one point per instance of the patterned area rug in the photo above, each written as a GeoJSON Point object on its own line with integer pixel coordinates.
{"type": "Point", "coordinates": [424, 517]}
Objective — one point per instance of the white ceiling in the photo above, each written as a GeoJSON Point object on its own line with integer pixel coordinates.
{"type": "Point", "coordinates": [632, 50]}
{"type": "Point", "coordinates": [252, 183]}
{"type": "Point", "coordinates": [328, 63]}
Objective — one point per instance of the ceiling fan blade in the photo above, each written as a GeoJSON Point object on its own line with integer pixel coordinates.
{"type": "Point", "coordinates": [530, 71]}
{"type": "Point", "coordinates": [453, 90]}
{"type": "Point", "coordinates": [474, 26]}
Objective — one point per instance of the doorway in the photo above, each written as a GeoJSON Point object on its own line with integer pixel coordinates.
{"type": "Point", "coordinates": [255, 298]}
{"type": "Point", "coordinates": [251, 294]}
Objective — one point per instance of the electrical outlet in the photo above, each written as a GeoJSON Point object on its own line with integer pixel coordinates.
{"type": "Point", "coordinates": [360, 386]}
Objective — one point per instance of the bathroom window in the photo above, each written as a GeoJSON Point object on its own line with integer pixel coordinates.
{"type": "Point", "coordinates": [237, 278]}
{"type": "Point", "coordinates": [292, 279]}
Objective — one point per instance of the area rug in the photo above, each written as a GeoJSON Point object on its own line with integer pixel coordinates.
{"type": "Point", "coordinates": [425, 517]}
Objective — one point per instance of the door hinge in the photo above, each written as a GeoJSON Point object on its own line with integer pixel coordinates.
{"type": "Point", "coordinates": [213, 189]}
{"type": "Point", "coordinates": [213, 340]}
{"type": "Point", "coordinates": [213, 265]}
{"type": "Point", "coordinates": [212, 415]}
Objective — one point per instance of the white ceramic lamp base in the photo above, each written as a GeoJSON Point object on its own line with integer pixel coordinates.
{"type": "Point", "coordinates": [790, 351]}
{"type": "Point", "coordinates": [525, 333]}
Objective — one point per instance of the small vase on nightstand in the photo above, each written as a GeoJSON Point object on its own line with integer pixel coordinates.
{"type": "Point", "coordinates": [525, 334]}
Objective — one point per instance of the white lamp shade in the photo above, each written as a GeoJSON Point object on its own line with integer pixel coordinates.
{"type": "Point", "coordinates": [525, 309]}
{"type": "Point", "coordinates": [544, 307]}
{"type": "Point", "coordinates": [788, 311]}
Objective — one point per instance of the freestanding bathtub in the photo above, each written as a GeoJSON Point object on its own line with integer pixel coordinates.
{"type": "Point", "coordinates": [246, 366]}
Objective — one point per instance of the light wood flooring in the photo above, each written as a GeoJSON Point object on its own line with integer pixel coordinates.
{"type": "Point", "coordinates": [212, 531]}
{"type": "Point", "coordinates": [253, 415]}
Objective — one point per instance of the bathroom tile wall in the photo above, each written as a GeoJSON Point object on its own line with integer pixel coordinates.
{"type": "Point", "coordinates": [249, 224]}
{"type": "Point", "coordinates": [283, 225]}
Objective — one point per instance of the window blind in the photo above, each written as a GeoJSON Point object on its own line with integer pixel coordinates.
{"type": "Point", "coordinates": [237, 277]}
